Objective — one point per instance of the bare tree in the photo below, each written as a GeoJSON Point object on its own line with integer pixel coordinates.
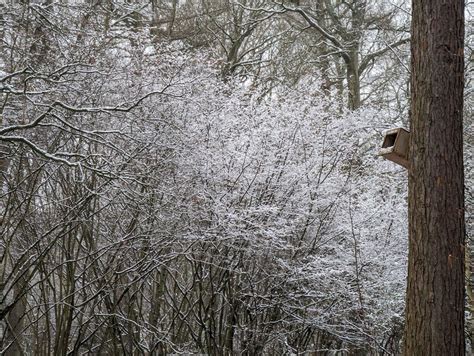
{"type": "Point", "coordinates": [150, 207]}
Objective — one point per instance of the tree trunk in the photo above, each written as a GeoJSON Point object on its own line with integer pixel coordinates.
{"type": "Point", "coordinates": [353, 81]}
{"type": "Point", "coordinates": [470, 290]}
{"type": "Point", "coordinates": [435, 291]}
{"type": "Point", "coordinates": [354, 37]}
{"type": "Point", "coordinates": [16, 319]}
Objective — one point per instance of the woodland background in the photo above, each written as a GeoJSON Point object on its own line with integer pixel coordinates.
{"type": "Point", "coordinates": [202, 177]}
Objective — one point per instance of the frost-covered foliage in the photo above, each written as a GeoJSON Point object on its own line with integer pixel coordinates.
{"type": "Point", "coordinates": [293, 184]}
{"type": "Point", "coordinates": [150, 208]}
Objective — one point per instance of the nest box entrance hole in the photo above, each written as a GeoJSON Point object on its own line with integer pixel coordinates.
{"type": "Point", "coordinates": [389, 140]}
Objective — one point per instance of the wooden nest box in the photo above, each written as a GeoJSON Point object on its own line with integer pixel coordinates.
{"type": "Point", "coordinates": [395, 146]}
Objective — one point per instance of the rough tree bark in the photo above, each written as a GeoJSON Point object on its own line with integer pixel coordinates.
{"type": "Point", "coordinates": [435, 291]}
